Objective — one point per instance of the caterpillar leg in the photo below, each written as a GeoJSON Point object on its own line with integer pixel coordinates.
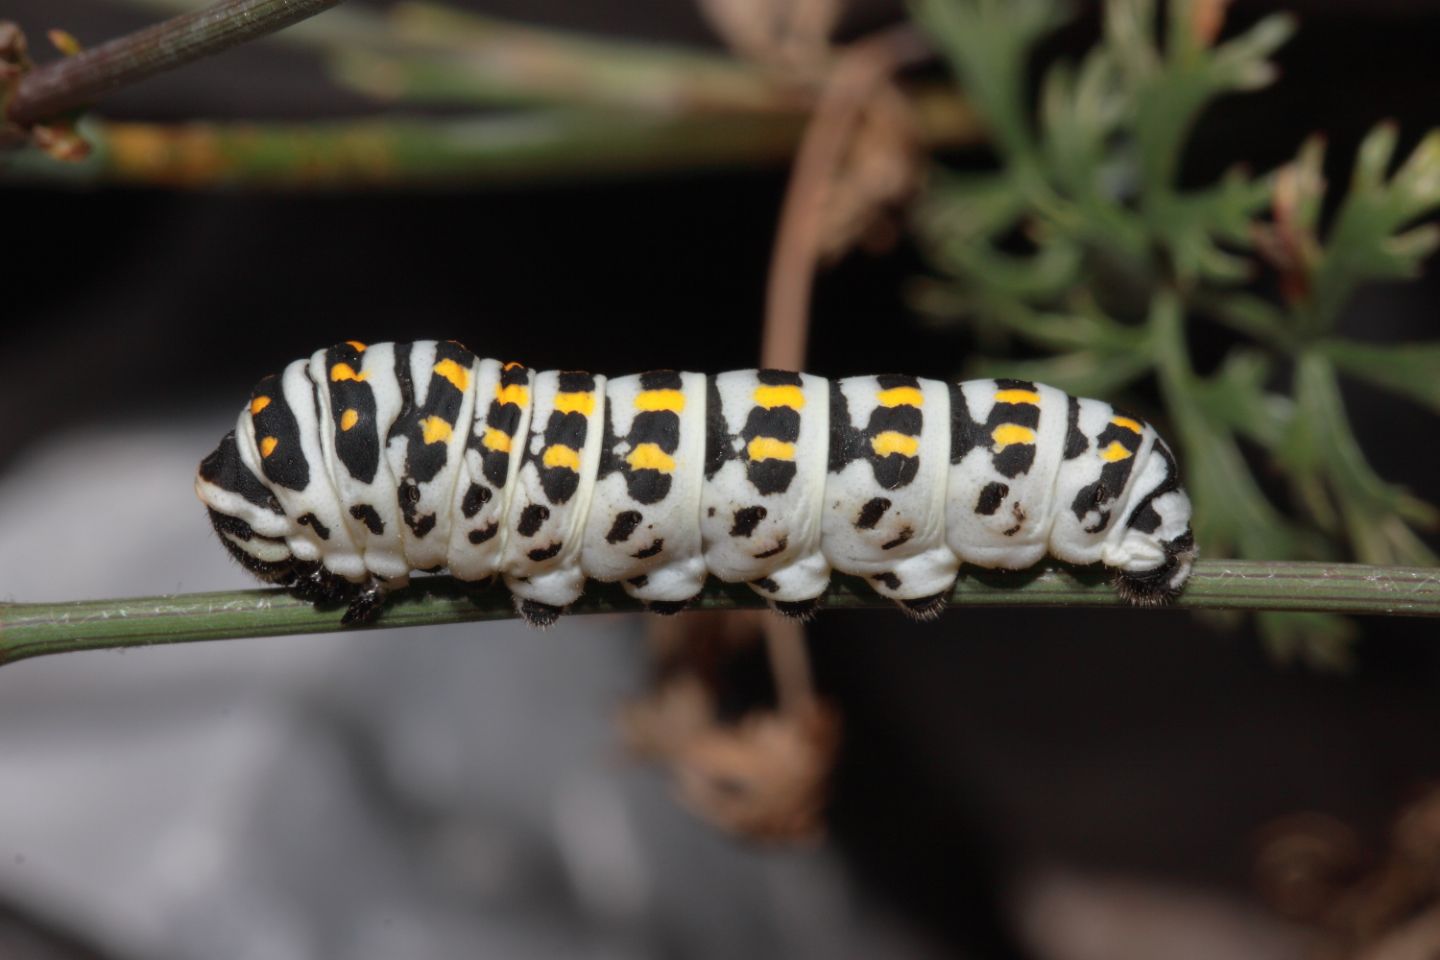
{"type": "Point", "coordinates": [924, 608]}
{"type": "Point", "coordinates": [1160, 585]}
{"type": "Point", "coordinates": [318, 585]}
{"type": "Point", "coordinates": [795, 590]}
{"type": "Point", "coordinates": [366, 604]}
{"type": "Point", "coordinates": [537, 614]}
{"type": "Point", "coordinates": [802, 610]}
{"type": "Point", "coordinates": [666, 608]}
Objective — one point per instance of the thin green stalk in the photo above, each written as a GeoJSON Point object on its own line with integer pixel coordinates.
{"type": "Point", "coordinates": [438, 54]}
{"type": "Point", "coordinates": [412, 152]}
{"type": "Point", "coordinates": [57, 87]}
{"type": "Point", "coordinates": [36, 629]}
{"type": "Point", "coordinates": [534, 146]}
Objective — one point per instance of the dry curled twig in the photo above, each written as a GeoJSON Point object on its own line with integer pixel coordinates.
{"type": "Point", "coordinates": [792, 36]}
{"type": "Point", "coordinates": [1316, 869]}
{"type": "Point", "coordinates": [858, 161]}
{"type": "Point", "coordinates": [47, 92]}
{"type": "Point", "coordinates": [764, 777]}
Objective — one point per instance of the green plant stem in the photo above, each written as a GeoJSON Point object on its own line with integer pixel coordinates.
{"type": "Point", "coordinates": [75, 81]}
{"type": "Point", "coordinates": [530, 147]}
{"type": "Point", "coordinates": [437, 54]}
{"type": "Point", "coordinates": [36, 629]}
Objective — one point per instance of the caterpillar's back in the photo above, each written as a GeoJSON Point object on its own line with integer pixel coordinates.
{"type": "Point", "coordinates": [360, 464]}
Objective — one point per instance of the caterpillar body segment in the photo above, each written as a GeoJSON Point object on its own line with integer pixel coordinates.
{"type": "Point", "coordinates": [494, 445]}
{"type": "Point", "coordinates": [641, 528]}
{"type": "Point", "coordinates": [363, 463]}
{"type": "Point", "coordinates": [764, 486]}
{"type": "Point", "coordinates": [887, 487]}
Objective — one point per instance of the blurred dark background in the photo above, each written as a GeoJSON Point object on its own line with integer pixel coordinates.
{"type": "Point", "coordinates": [1009, 782]}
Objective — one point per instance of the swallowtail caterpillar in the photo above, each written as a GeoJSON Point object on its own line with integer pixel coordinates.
{"type": "Point", "coordinates": [363, 463]}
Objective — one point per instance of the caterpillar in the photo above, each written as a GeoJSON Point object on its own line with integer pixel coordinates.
{"type": "Point", "coordinates": [361, 464]}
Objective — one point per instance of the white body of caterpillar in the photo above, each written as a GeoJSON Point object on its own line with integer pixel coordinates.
{"type": "Point", "coordinates": [363, 463]}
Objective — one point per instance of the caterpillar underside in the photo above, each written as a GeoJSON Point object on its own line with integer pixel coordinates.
{"type": "Point", "coordinates": [361, 464]}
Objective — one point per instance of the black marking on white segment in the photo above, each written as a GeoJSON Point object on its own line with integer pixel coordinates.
{"type": "Point", "coordinates": [286, 465]}
{"type": "Point", "coordinates": [475, 498]}
{"type": "Point", "coordinates": [224, 468]}
{"type": "Point", "coordinates": [746, 520]}
{"type": "Point", "coordinates": [480, 536]}
{"type": "Point", "coordinates": [313, 522]}
{"type": "Point", "coordinates": [358, 447]}
{"type": "Point", "coordinates": [367, 515]}
{"type": "Point", "coordinates": [531, 519]}
{"type": "Point", "coordinates": [871, 513]}
{"type": "Point", "coordinates": [625, 523]}
{"type": "Point", "coordinates": [991, 496]}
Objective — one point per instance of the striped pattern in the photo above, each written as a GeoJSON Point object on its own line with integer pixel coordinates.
{"type": "Point", "coordinates": [365, 462]}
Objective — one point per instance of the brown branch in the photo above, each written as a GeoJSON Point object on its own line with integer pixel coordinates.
{"type": "Point", "coordinates": [859, 73]}
{"type": "Point", "coordinates": [64, 85]}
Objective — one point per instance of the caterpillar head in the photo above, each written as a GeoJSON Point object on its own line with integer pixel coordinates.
{"type": "Point", "coordinates": [1158, 540]}
{"type": "Point", "coordinates": [245, 514]}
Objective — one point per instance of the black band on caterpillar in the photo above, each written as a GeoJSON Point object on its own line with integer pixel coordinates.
{"type": "Point", "coordinates": [363, 463]}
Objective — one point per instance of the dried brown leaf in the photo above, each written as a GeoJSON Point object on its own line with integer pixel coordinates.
{"type": "Point", "coordinates": [1207, 18]}
{"type": "Point", "coordinates": [1289, 242]}
{"type": "Point", "coordinates": [659, 726]}
{"type": "Point", "coordinates": [790, 35]}
{"type": "Point", "coordinates": [1417, 938]}
{"type": "Point", "coordinates": [1305, 862]}
{"type": "Point", "coordinates": [59, 139]}
{"type": "Point", "coordinates": [14, 62]}
{"type": "Point", "coordinates": [1416, 835]}
{"type": "Point", "coordinates": [877, 175]}
{"type": "Point", "coordinates": [701, 639]}
{"type": "Point", "coordinates": [765, 779]}
{"type": "Point", "coordinates": [1314, 868]}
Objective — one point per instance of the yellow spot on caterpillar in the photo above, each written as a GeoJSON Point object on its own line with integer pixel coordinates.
{"type": "Point", "coordinates": [458, 376]}
{"type": "Point", "coordinates": [900, 397]}
{"type": "Point", "coordinates": [359, 347]}
{"type": "Point", "coordinates": [559, 455]}
{"type": "Point", "coordinates": [268, 445]}
{"type": "Point", "coordinates": [349, 418]}
{"type": "Point", "coordinates": [892, 441]}
{"type": "Point", "coordinates": [672, 400]}
{"type": "Point", "coordinates": [1008, 433]}
{"type": "Point", "coordinates": [580, 401]}
{"type": "Point", "coordinates": [1127, 423]}
{"type": "Point", "coordinates": [497, 440]}
{"type": "Point", "coordinates": [514, 393]}
{"type": "Point", "coordinates": [770, 397]}
{"type": "Point", "coordinates": [435, 429]}
{"type": "Point", "coordinates": [768, 448]}
{"type": "Point", "coordinates": [512, 365]}
{"type": "Point", "coordinates": [258, 404]}
{"type": "Point", "coordinates": [1116, 451]}
{"type": "Point", "coordinates": [649, 456]}
{"type": "Point", "coordinates": [343, 371]}
{"type": "Point", "coordinates": [1017, 396]}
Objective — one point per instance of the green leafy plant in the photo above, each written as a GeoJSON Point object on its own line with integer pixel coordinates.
{"type": "Point", "coordinates": [1083, 244]}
